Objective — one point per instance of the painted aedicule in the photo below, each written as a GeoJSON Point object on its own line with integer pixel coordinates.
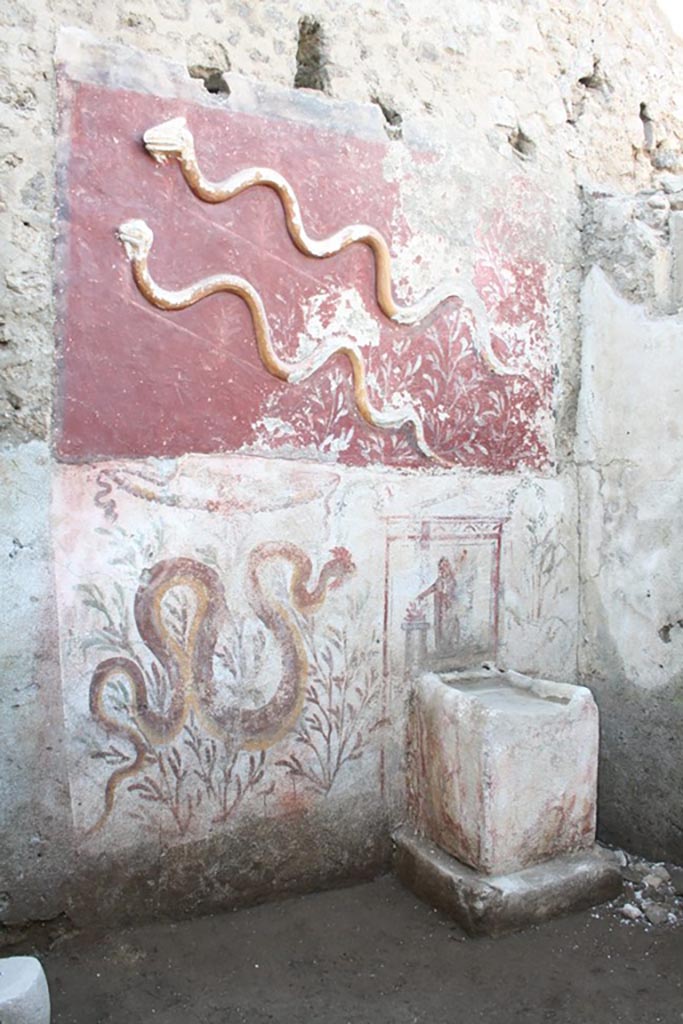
{"type": "Point", "coordinates": [442, 593]}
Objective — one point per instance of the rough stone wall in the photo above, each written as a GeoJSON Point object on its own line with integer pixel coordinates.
{"type": "Point", "coordinates": [513, 98]}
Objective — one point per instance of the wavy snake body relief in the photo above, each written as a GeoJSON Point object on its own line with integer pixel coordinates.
{"type": "Point", "coordinates": [173, 140]}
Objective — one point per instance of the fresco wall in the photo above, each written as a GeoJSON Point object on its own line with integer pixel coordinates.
{"type": "Point", "coordinates": [473, 144]}
{"type": "Point", "coordinates": [226, 660]}
{"type": "Point", "coordinates": [273, 506]}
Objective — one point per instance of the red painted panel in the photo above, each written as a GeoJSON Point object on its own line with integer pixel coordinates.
{"type": "Point", "coordinates": [136, 381]}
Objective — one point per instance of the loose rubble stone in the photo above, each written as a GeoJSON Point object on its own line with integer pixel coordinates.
{"type": "Point", "coordinates": [656, 913]}
{"type": "Point", "coordinates": [653, 890]}
{"type": "Point", "coordinates": [677, 880]}
{"type": "Point", "coordinates": [672, 183]}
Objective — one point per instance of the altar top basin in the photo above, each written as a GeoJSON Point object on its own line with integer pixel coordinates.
{"type": "Point", "coordinates": [508, 691]}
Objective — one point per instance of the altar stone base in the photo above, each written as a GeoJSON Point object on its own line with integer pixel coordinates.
{"type": "Point", "coordinates": [494, 904]}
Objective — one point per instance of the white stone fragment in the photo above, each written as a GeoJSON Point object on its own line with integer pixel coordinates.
{"type": "Point", "coordinates": [631, 912]}
{"type": "Point", "coordinates": [24, 995]}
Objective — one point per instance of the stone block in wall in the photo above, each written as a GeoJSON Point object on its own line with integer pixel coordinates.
{"type": "Point", "coordinates": [631, 238]}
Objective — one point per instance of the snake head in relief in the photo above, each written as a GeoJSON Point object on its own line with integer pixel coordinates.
{"type": "Point", "coordinates": [137, 238]}
{"type": "Point", "coordinates": [342, 564]}
{"type": "Point", "coordinates": [171, 139]}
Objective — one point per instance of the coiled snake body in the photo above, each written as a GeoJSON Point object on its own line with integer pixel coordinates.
{"type": "Point", "coordinates": [188, 663]}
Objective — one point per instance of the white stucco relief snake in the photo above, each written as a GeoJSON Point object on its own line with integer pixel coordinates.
{"type": "Point", "coordinates": [174, 140]}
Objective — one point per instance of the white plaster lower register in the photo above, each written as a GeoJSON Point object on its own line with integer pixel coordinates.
{"type": "Point", "coordinates": [502, 777]}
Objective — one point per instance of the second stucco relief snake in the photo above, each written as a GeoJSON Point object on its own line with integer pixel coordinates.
{"type": "Point", "coordinates": [186, 658]}
{"type": "Point", "coordinates": [173, 139]}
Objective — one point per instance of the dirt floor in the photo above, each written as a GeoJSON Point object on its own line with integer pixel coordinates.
{"type": "Point", "coordinates": [371, 954]}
